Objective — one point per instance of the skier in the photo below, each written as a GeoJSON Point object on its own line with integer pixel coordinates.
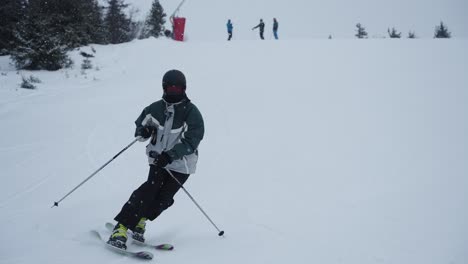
{"type": "Point", "coordinates": [261, 26]}
{"type": "Point", "coordinates": [229, 29]}
{"type": "Point", "coordinates": [275, 28]}
{"type": "Point", "coordinates": [175, 128]}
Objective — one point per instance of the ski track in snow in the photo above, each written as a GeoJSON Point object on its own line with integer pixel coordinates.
{"type": "Point", "coordinates": [21, 147]}
{"type": "Point", "coordinates": [28, 190]}
{"type": "Point", "coordinates": [37, 149]}
{"type": "Point", "coordinates": [89, 142]}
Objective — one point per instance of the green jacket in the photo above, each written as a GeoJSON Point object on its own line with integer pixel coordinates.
{"type": "Point", "coordinates": [180, 129]}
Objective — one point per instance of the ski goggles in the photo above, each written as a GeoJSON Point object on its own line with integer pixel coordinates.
{"type": "Point", "coordinates": [174, 89]}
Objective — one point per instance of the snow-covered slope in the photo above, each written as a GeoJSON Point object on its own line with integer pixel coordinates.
{"type": "Point", "coordinates": [339, 151]}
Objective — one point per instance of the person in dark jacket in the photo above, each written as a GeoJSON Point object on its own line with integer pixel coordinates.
{"type": "Point", "coordinates": [275, 28]}
{"type": "Point", "coordinates": [174, 127]}
{"type": "Point", "coordinates": [261, 26]}
{"type": "Point", "coordinates": [229, 29]}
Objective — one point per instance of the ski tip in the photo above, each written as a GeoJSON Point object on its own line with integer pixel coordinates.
{"type": "Point", "coordinates": [109, 225]}
{"type": "Point", "coordinates": [144, 255]}
{"type": "Point", "coordinates": [140, 254]}
{"type": "Point", "coordinates": [165, 247]}
{"type": "Point", "coordinates": [96, 233]}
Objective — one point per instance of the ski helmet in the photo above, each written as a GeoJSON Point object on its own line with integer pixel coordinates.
{"type": "Point", "coordinates": [174, 78]}
{"type": "Point", "coordinates": [174, 85]}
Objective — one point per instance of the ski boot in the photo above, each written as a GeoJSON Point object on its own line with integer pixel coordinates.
{"type": "Point", "coordinates": [140, 231]}
{"type": "Point", "coordinates": [118, 238]}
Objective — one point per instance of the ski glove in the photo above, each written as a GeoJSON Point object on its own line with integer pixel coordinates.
{"type": "Point", "coordinates": [144, 132]}
{"type": "Point", "coordinates": [161, 160]}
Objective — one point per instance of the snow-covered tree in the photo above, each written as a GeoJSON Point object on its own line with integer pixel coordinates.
{"type": "Point", "coordinates": [441, 31]}
{"type": "Point", "coordinates": [37, 45]}
{"type": "Point", "coordinates": [154, 25]}
{"type": "Point", "coordinates": [136, 27]}
{"type": "Point", "coordinates": [92, 22]}
{"type": "Point", "coordinates": [11, 12]}
{"type": "Point", "coordinates": [116, 23]}
{"type": "Point", "coordinates": [79, 22]}
{"type": "Point", "coordinates": [49, 28]}
{"type": "Point", "coordinates": [361, 31]}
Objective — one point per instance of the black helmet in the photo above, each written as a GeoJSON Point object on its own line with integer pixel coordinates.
{"type": "Point", "coordinates": [174, 77]}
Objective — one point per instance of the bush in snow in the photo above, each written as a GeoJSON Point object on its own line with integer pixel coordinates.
{"type": "Point", "coordinates": [393, 33]}
{"type": "Point", "coordinates": [441, 31]}
{"type": "Point", "coordinates": [361, 31]}
{"type": "Point", "coordinates": [86, 65]}
{"type": "Point", "coordinates": [27, 84]}
{"type": "Point", "coordinates": [33, 79]}
{"type": "Point", "coordinates": [86, 55]}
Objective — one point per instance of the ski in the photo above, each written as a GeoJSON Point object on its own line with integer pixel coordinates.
{"type": "Point", "coordinates": [137, 254]}
{"type": "Point", "coordinates": [164, 246]}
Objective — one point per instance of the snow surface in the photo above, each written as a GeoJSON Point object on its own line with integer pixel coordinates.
{"type": "Point", "coordinates": [316, 151]}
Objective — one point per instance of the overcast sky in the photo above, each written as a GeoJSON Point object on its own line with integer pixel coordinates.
{"type": "Point", "coordinates": [309, 18]}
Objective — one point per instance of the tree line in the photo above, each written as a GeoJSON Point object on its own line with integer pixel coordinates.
{"type": "Point", "coordinates": [441, 31]}
{"type": "Point", "coordinates": [39, 33]}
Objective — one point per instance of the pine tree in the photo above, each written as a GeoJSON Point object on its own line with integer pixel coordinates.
{"type": "Point", "coordinates": [441, 31]}
{"type": "Point", "coordinates": [411, 35]}
{"type": "Point", "coordinates": [37, 45]}
{"type": "Point", "coordinates": [393, 33]}
{"type": "Point", "coordinates": [116, 23]}
{"type": "Point", "coordinates": [49, 28]}
{"type": "Point", "coordinates": [154, 25]}
{"type": "Point", "coordinates": [65, 20]}
{"type": "Point", "coordinates": [361, 31]}
{"type": "Point", "coordinates": [11, 12]}
{"type": "Point", "coordinates": [92, 22]}
{"type": "Point", "coordinates": [79, 22]}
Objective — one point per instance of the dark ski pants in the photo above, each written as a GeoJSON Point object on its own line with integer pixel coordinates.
{"type": "Point", "coordinates": [151, 198]}
{"type": "Point", "coordinates": [261, 35]}
{"type": "Point", "coordinates": [229, 35]}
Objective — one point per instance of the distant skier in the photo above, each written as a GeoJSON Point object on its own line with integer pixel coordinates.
{"type": "Point", "coordinates": [175, 126]}
{"type": "Point", "coordinates": [261, 26]}
{"type": "Point", "coordinates": [275, 28]}
{"type": "Point", "coordinates": [229, 29]}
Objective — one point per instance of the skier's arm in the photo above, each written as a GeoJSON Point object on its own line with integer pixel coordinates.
{"type": "Point", "coordinates": [145, 125]}
{"type": "Point", "coordinates": [192, 136]}
{"type": "Point", "coordinates": [141, 117]}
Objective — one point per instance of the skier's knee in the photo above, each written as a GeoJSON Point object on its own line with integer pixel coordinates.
{"type": "Point", "coordinates": [159, 208]}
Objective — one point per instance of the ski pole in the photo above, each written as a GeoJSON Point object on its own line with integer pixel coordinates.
{"type": "Point", "coordinates": [94, 173]}
{"type": "Point", "coordinates": [220, 232]}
